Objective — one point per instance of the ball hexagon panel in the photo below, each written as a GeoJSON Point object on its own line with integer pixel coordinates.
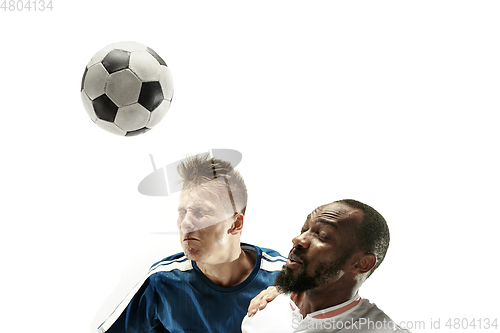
{"type": "Point", "coordinates": [110, 127]}
{"type": "Point", "coordinates": [129, 46]}
{"type": "Point", "coordinates": [167, 84]}
{"type": "Point", "coordinates": [158, 114]}
{"type": "Point", "coordinates": [123, 87]}
{"type": "Point", "coordinates": [145, 66]}
{"type": "Point", "coordinates": [95, 81]}
{"type": "Point", "coordinates": [132, 117]}
{"type": "Point", "coordinates": [87, 103]}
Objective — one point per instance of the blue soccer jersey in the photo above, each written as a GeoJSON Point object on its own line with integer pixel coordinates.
{"type": "Point", "coordinates": [175, 296]}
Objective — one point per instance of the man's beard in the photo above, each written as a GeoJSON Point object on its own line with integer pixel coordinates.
{"type": "Point", "coordinates": [290, 284]}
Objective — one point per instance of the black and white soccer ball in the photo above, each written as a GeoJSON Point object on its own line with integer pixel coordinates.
{"type": "Point", "coordinates": [127, 88]}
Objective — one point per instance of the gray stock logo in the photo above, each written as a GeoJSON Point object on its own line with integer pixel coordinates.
{"type": "Point", "coordinates": [166, 181]}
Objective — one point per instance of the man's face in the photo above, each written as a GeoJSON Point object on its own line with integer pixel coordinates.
{"type": "Point", "coordinates": [202, 223]}
{"type": "Point", "coordinates": [320, 252]}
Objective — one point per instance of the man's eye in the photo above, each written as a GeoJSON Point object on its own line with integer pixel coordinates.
{"type": "Point", "coordinates": [182, 212]}
{"type": "Point", "coordinates": [322, 235]}
{"type": "Point", "coordinates": [303, 230]}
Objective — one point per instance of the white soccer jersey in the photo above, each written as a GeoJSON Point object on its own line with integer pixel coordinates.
{"type": "Point", "coordinates": [356, 315]}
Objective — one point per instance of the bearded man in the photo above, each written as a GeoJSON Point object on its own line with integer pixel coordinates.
{"type": "Point", "coordinates": [339, 247]}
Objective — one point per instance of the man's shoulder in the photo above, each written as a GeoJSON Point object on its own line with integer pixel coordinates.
{"type": "Point", "coordinates": [375, 317]}
{"type": "Point", "coordinates": [272, 255]}
{"type": "Point", "coordinates": [270, 260]}
{"type": "Point", "coordinates": [178, 262]}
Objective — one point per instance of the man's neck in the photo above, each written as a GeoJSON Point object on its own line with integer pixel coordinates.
{"type": "Point", "coordinates": [229, 274]}
{"type": "Point", "coordinates": [312, 301]}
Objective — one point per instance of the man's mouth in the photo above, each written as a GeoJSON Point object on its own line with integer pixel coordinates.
{"type": "Point", "coordinates": [293, 261]}
{"type": "Point", "coordinates": [187, 237]}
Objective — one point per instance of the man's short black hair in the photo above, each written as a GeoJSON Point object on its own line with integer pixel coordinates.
{"type": "Point", "coordinates": [373, 234]}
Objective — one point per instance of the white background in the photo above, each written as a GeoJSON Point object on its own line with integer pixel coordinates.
{"type": "Point", "coordinates": [393, 103]}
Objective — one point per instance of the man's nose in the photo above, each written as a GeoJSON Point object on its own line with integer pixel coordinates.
{"type": "Point", "coordinates": [301, 240]}
{"type": "Point", "coordinates": [186, 223]}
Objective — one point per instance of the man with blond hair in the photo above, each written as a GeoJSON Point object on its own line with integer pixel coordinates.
{"type": "Point", "coordinates": [208, 286]}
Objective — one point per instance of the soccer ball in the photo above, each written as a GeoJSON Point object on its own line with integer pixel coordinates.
{"type": "Point", "coordinates": [126, 88]}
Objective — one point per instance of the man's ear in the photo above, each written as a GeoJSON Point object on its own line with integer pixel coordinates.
{"type": "Point", "coordinates": [365, 263]}
{"type": "Point", "coordinates": [237, 226]}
